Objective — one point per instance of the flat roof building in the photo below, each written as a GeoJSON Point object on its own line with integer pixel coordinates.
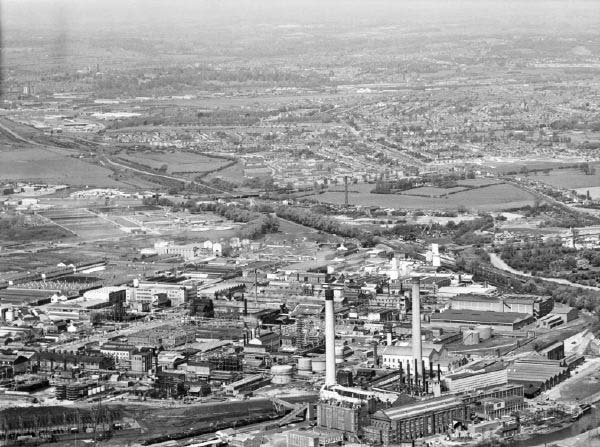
{"type": "Point", "coordinates": [498, 321]}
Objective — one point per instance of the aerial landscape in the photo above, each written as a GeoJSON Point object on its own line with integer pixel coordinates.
{"type": "Point", "coordinates": [299, 223]}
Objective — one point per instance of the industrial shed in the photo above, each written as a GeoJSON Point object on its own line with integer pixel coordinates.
{"type": "Point", "coordinates": [498, 321]}
{"type": "Point", "coordinates": [536, 374]}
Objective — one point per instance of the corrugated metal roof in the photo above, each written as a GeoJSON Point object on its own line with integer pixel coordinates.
{"type": "Point", "coordinates": [412, 410]}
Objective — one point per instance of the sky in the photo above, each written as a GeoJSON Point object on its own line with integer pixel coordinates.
{"type": "Point", "coordinates": [117, 14]}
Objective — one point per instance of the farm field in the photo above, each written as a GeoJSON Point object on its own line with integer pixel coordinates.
{"type": "Point", "coordinates": [495, 197]}
{"type": "Point", "coordinates": [478, 182]}
{"type": "Point", "coordinates": [432, 191]}
{"type": "Point", "coordinates": [568, 178]}
{"type": "Point", "coordinates": [176, 161]}
{"type": "Point", "coordinates": [502, 167]}
{"type": "Point", "coordinates": [39, 164]}
{"type": "Point", "coordinates": [233, 173]}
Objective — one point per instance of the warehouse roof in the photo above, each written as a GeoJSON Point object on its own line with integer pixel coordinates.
{"type": "Point", "coordinates": [533, 371]}
{"type": "Point", "coordinates": [419, 408]}
{"type": "Point", "coordinates": [474, 297]}
{"type": "Point", "coordinates": [406, 351]}
{"type": "Point", "coordinates": [474, 316]}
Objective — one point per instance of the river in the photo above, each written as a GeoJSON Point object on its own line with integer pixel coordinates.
{"type": "Point", "coordinates": [500, 264]}
{"type": "Point", "coordinates": [585, 423]}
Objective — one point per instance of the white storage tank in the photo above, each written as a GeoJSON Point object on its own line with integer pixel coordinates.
{"type": "Point", "coordinates": [304, 364]}
{"type": "Point", "coordinates": [339, 352]}
{"type": "Point", "coordinates": [318, 365]}
{"type": "Point", "coordinates": [282, 374]}
{"type": "Point", "coordinates": [485, 332]}
{"type": "Point", "coordinates": [10, 315]}
{"type": "Point", "coordinates": [470, 337]}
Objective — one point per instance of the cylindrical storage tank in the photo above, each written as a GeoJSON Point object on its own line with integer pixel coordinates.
{"type": "Point", "coordinates": [470, 337]}
{"type": "Point", "coordinates": [485, 332]}
{"type": "Point", "coordinates": [10, 315]}
{"type": "Point", "coordinates": [136, 282]}
{"type": "Point", "coordinates": [304, 364]}
{"type": "Point", "coordinates": [282, 374]}
{"type": "Point", "coordinates": [339, 353]}
{"type": "Point", "coordinates": [330, 269]}
{"type": "Point", "coordinates": [318, 365]}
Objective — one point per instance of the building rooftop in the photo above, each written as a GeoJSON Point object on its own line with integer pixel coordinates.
{"type": "Point", "coordinates": [419, 408]}
{"type": "Point", "coordinates": [479, 317]}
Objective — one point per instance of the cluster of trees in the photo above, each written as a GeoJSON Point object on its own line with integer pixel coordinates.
{"type": "Point", "coordinates": [465, 232]}
{"type": "Point", "coordinates": [547, 258]}
{"type": "Point", "coordinates": [265, 183]}
{"type": "Point", "coordinates": [232, 212]}
{"type": "Point", "coordinates": [327, 224]}
{"type": "Point", "coordinates": [257, 223]}
{"type": "Point", "coordinates": [264, 224]}
{"type": "Point", "coordinates": [573, 296]}
{"type": "Point", "coordinates": [16, 228]}
{"type": "Point", "coordinates": [439, 180]}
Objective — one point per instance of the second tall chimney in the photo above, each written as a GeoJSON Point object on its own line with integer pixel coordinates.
{"type": "Point", "coordinates": [329, 339]}
{"type": "Point", "coordinates": [416, 324]}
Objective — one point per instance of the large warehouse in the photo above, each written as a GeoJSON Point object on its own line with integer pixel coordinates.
{"type": "Point", "coordinates": [498, 321]}
{"type": "Point", "coordinates": [538, 306]}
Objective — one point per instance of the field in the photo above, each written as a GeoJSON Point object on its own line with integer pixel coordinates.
{"type": "Point", "coordinates": [432, 191]}
{"type": "Point", "coordinates": [568, 178]}
{"type": "Point", "coordinates": [39, 164]}
{"type": "Point", "coordinates": [494, 197]}
{"type": "Point", "coordinates": [234, 174]}
{"type": "Point", "coordinates": [176, 161]}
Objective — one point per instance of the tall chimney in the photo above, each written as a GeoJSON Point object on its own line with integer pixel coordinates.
{"type": "Point", "coordinates": [245, 307]}
{"type": "Point", "coordinates": [375, 355]}
{"type": "Point", "coordinates": [417, 375]}
{"type": "Point", "coordinates": [329, 339]}
{"type": "Point", "coordinates": [388, 336]}
{"type": "Point", "coordinates": [416, 325]}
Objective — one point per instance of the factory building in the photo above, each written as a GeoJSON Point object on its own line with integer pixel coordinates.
{"type": "Point", "coordinates": [147, 292]}
{"type": "Point", "coordinates": [502, 322]}
{"type": "Point", "coordinates": [470, 379]}
{"type": "Point", "coordinates": [306, 438]}
{"type": "Point", "coordinates": [538, 306]}
{"type": "Point", "coordinates": [141, 362]}
{"type": "Point", "coordinates": [396, 356]}
{"type": "Point", "coordinates": [410, 422]}
{"type": "Point", "coordinates": [344, 416]}
{"type": "Point", "coordinates": [536, 374]}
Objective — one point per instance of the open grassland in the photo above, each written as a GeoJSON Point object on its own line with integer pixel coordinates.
{"type": "Point", "coordinates": [494, 197]}
{"type": "Point", "coordinates": [39, 164]}
{"type": "Point", "coordinates": [432, 191]}
{"type": "Point", "coordinates": [176, 161]}
{"type": "Point", "coordinates": [234, 174]}
{"type": "Point", "coordinates": [472, 182]}
{"type": "Point", "coordinates": [568, 178]}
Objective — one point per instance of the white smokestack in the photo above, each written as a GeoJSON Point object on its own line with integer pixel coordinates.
{"type": "Point", "coordinates": [389, 338]}
{"type": "Point", "coordinates": [329, 339]}
{"type": "Point", "coordinates": [416, 325]}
